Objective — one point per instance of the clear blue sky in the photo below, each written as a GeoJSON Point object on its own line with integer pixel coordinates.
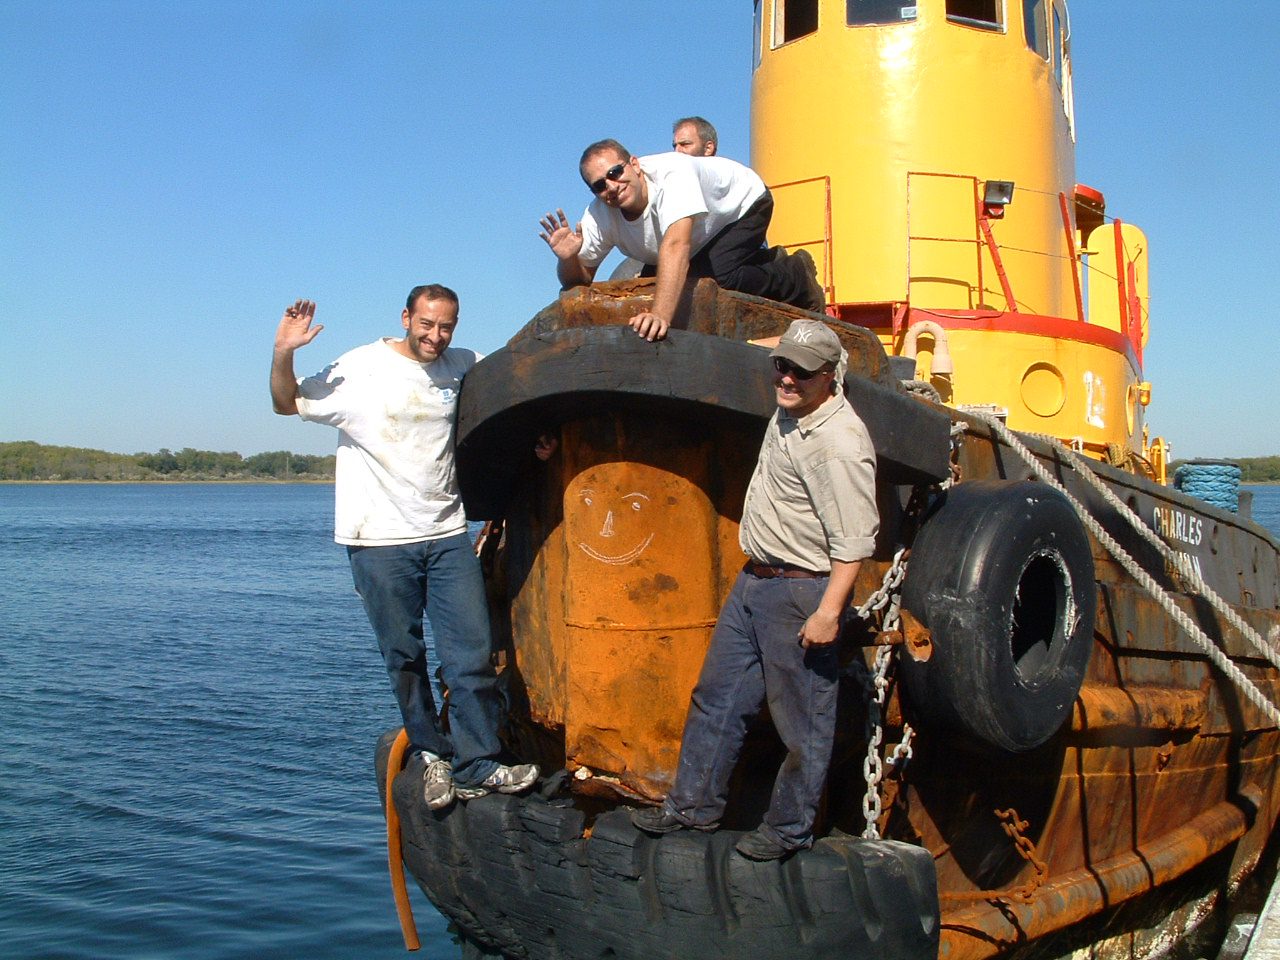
{"type": "Point", "coordinates": [171, 174]}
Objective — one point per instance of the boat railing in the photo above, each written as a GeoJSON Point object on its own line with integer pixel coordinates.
{"type": "Point", "coordinates": [824, 241]}
{"type": "Point", "coordinates": [1111, 255]}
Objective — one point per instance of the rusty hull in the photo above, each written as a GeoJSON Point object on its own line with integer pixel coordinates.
{"type": "Point", "coordinates": [618, 552]}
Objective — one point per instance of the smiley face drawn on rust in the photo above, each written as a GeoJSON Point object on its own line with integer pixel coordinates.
{"type": "Point", "coordinates": [616, 525]}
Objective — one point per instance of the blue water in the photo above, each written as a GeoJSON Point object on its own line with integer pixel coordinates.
{"type": "Point", "coordinates": [1266, 506]}
{"type": "Point", "coordinates": [189, 700]}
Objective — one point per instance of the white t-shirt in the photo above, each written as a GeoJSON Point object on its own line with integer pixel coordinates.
{"type": "Point", "coordinates": [395, 479]}
{"type": "Point", "coordinates": [715, 191]}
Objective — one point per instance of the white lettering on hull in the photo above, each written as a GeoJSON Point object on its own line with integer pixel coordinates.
{"type": "Point", "coordinates": [1180, 527]}
{"type": "Point", "coordinates": [1174, 524]}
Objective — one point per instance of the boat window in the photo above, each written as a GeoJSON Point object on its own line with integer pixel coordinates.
{"type": "Point", "coordinates": [975, 13]}
{"type": "Point", "coordinates": [1057, 44]}
{"type": "Point", "coordinates": [756, 23]}
{"type": "Point", "coordinates": [1034, 27]}
{"type": "Point", "coordinates": [793, 19]}
{"type": "Point", "coordinates": [1062, 70]}
{"type": "Point", "coordinates": [860, 12]}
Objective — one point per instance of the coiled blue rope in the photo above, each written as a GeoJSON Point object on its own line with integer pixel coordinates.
{"type": "Point", "coordinates": [1216, 482]}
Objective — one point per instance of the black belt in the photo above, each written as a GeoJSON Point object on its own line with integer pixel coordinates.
{"type": "Point", "coordinates": [767, 572]}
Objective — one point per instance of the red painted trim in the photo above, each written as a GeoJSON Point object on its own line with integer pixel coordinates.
{"type": "Point", "coordinates": [1135, 308]}
{"type": "Point", "coordinates": [1091, 196]}
{"type": "Point", "coordinates": [1121, 260]}
{"type": "Point", "coordinates": [1054, 328]}
{"type": "Point", "coordinates": [994, 249]}
{"type": "Point", "coordinates": [1071, 252]}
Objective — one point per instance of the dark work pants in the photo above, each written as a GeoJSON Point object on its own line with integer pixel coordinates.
{"type": "Point", "coordinates": [737, 259]}
{"type": "Point", "coordinates": [755, 657]}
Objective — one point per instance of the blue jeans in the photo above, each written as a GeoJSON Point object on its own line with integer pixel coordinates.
{"type": "Point", "coordinates": [755, 657]}
{"type": "Point", "coordinates": [441, 577]}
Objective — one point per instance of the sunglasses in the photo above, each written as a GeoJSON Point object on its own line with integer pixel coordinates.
{"type": "Point", "coordinates": [614, 173]}
{"type": "Point", "coordinates": [796, 373]}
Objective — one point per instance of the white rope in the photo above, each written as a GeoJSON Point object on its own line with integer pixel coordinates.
{"type": "Point", "coordinates": [1180, 560]}
{"type": "Point", "coordinates": [1145, 580]}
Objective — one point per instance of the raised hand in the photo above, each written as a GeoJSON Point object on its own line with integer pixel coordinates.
{"type": "Point", "coordinates": [565, 242]}
{"type": "Point", "coordinates": [295, 328]}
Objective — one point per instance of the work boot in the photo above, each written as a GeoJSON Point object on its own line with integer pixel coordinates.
{"type": "Point", "coordinates": [657, 821]}
{"type": "Point", "coordinates": [814, 297]}
{"type": "Point", "coordinates": [758, 846]}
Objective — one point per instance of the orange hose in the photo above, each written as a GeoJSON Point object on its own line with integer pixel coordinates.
{"type": "Point", "coordinates": [395, 862]}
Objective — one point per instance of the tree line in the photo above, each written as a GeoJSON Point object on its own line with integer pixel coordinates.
{"type": "Point", "coordinates": [1259, 469]}
{"type": "Point", "coordinates": [28, 460]}
{"type": "Point", "coordinates": [1252, 469]}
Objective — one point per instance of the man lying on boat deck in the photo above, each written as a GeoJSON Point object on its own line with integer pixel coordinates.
{"type": "Point", "coordinates": [399, 514]}
{"type": "Point", "coordinates": [809, 519]}
{"type": "Point", "coordinates": [685, 217]}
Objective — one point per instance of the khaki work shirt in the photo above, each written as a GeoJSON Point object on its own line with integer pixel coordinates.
{"type": "Point", "coordinates": [812, 497]}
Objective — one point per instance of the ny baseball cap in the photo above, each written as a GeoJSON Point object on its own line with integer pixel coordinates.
{"type": "Point", "coordinates": [809, 344]}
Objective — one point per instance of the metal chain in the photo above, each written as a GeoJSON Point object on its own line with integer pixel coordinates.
{"type": "Point", "coordinates": [888, 597]}
{"type": "Point", "coordinates": [957, 437]}
{"type": "Point", "coordinates": [903, 752]}
{"type": "Point", "coordinates": [873, 766]}
{"type": "Point", "coordinates": [1013, 826]}
{"type": "Point", "coordinates": [887, 592]}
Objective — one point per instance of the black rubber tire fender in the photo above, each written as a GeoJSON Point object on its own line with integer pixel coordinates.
{"type": "Point", "coordinates": [521, 880]}
{"type": "Point", "coordinates": [1002, 574]}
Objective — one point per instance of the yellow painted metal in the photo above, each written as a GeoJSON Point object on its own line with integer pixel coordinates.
{"type": "Point", "coordinates": [1113, 269]}
{"type": "Point", "coordinates": [1064, 388]}
{"type": "Point", "coordinates": [871, 107]}
{"type": "Point", "coordinates": [879, 141]}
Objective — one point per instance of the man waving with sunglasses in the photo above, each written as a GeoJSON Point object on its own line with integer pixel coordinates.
{"type": "Point", "coordinates": [683, 217]}
{"type": "Point", "coordinates": [808, 521]}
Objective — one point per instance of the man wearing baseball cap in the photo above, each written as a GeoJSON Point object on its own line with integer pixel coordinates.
{"type": "Point", "coordinates": [809, 519]}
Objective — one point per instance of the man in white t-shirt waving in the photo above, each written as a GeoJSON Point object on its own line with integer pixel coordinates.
{"type": "Point", "coordinates": [687, 217]}
{"type": "Point", "coordinates": [399, 514]}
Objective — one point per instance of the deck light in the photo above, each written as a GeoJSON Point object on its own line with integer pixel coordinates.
{"type": "Point", "coordinates": [995, 196]}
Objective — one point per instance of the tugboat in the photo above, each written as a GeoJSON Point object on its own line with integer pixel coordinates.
{"type": "Point", "coordinates": [1058, 724]}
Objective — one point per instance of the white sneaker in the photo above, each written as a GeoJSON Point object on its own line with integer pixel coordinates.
{"type": "Point", "coordinates": [437, 781]}
{"type": "Point", "coordinates": [515, 779]}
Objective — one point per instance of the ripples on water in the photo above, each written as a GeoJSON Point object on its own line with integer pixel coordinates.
{"type": "Point", "coordinates": [1266, 506]}
{"type": "Point", "coordinates": [189, 700]}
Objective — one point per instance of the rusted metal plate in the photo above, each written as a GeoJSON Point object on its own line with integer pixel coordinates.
{"type": "Point", "coordinates": [580, 356]}
{"type": "Point", "coordinates": [610, 619]}
{"type": "Point", "coordinates": [532, 387]}
{"type": "Point", "coordinates": [977, 932]}
{"type": "Point", "coordinates": [1156, 709]}
{"type": "Point", "coordinates": [704, 308]}
{"type": "Point", "coordinates": [620, 549]}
